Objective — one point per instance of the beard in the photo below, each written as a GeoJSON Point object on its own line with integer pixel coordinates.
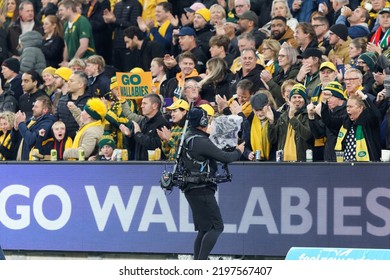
{"type": "Point", "coordinates": [276, 35]}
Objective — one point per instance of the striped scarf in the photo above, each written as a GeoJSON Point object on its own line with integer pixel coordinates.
{"type": "Point", "coordinates": [5, 140]}
{"type": "Point", "coordinates": [361, 145]}
{"type": "Point", "coordinates": [384, 42]}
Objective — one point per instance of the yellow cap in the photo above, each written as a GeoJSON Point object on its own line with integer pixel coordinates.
{"type": "Point", "coordinates": [207, 107]}
{"type": "Point", "coordinates": [180, 103]}
{"type": "Point", "coordinates": [328, 64]}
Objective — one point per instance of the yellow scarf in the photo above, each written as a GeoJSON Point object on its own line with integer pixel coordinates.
{"type": "Point", "coordinates": [259, 137]}
{"type": "Point", "coordinates": [290, 148]}
{"type": "Point", "coordinates": [162, 29]}
{"type": "Point", "coordinates": [20, 149]}
{"type": "Point", "coordinates": [80, 133]}
{"type": "Point", "coordinates": [361, 145]}
{"type": "Point", "coordinates": [246, 107]}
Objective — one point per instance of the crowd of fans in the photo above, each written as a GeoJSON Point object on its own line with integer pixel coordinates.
{"type": "Point", "coordinates": [304, 76]}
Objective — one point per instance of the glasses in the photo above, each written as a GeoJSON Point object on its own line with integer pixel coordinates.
{"type": "Point", "coordinates": [191, 87]}
{"type": "Point", "coordinates": [350, 79]}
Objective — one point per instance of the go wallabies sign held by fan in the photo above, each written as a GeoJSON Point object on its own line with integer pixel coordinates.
{"type": "Point", "coordinates": [134, 86]}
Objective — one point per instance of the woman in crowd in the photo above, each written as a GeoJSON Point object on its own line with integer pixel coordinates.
{"type": "Point", "coordinates": [159, 70]}
{"type": "Point", "coordinates": [216, 81]}
{"type": "Point", "coordinates": [285, 91]}
{"type": "Point", "coordinates": [49, 80]}
{"type": "Point", "coordinates": [9, 12]}
{"type": "Point", "coordinates": [359, 136]}
{"type": "Point", "coordinates": [218, 15]}
{"type": "Point", "coordinates": [270, 50]}
{"type": "Point", "coordinates": [53, 42]}
{"type": "Point", "coordinates": [170, 138]}
{"type": "Point", "coordinates": [6, 124]}
{"type": "Point", "coordinates": [288, 69]}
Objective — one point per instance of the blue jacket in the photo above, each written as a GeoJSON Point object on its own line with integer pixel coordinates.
{"type": "Point", "coordinates": [356, 30]}
{"type": "Point", "coordinates": [307, 8]}
{"type": "Point", "coordinates": [30, 135]}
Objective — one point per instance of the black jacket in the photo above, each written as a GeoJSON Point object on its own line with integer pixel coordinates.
{"type": "Point", "coordinates": [15, 85]}
{"type": "Point", "coordinates": [328, 126]}
{"type": "Point", "coordinates": [8, 101]}
{"type": "Point", "coordinates": [53, 49]}
{"type": "Point", "coordinates": [63, 113]}
{"type": "Point", "coordinates": [253, 76]}
{"type": "Point", "coordinates": [148, 51]}
{"type": "Point", "coordinates": [26, 102]}
{"type": "Point", "coordinates": [99, 85]}
{"type": "Point", "coordinates": [126, 13]}
{"type": "Point", "coordinates": [170, 87]}
{"type": "Point", "coordinates": [148, 138]}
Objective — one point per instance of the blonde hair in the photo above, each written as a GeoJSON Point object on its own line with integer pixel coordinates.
{"type": "Point", "coordinates": [8, 116]}
{"type": "Point", "coordinates": [98, 60]}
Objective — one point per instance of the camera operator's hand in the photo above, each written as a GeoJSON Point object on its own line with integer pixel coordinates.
{"type": "Point", "coordinates": [241, 147]}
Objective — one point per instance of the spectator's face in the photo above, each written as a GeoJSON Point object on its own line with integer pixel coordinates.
{"type": "Point", "coordinates": [74, 83]}
{"type": "Point", "coordinates": [27, 14]}
{"type": "Point", "coordinates": [333, 102]}
{"type": "Point", "coordinates": [245, 44]}
{"type": "Point", "coordinates": [187, 65]}
{"type": "Point", "coordinates": [191, 90]}
{"type": "Point", "coordinates": [319, 27]}
{"type": "Point", "coordinates": [58, 81]}
{"type": "Point", "coordinates": [61, 12]}
{"type": "Point", "coordinates": [356, 15]}
{"type": "Point", "coordinates": [282, 58]}
{"type": "Point", "coordinates": [49, 79]}
{"type": "Point", "coordinates": [377, 5]}
{"type": "Point", "coordinates": [297, 101]}
{"type": "Point", "coordinates": [300, 36]}
{"type": "Point", "coordinates": [48, 27]}
{"type": "Point", "coordinates": [160, 14]}
{"type": "Point", "coordinates": [353, 51]}
{"type": "Point", "coordinates": [216, 51]}
{"type": "Point", "coordinates": [241, 6]}
{"type": "Point", "coordinates": [384, 21]}
{"type": "Point", "coordinates": [156, 69]}
{"type": "Point", "coordinates": [352, 82]}
{"type": "Point", "coordinates": [248, 60]}
{"type": "Point", "coordinates": [199, 22]}
{"type": "Point", "coordinates": [216, 16]}
{"type": "Point", "coordinates": [38, 109]}
{"type": "Point", "coordinates": [353, 109]}
{"type": "Point", "coordinates": [148, 109]}
{"type": "Point", "coordinates": [260, 113]}
{"type": "Point", "coordinates": [327, 75]}
{"type": "Point", "coordinates": [11, 6]}
{"type": "Point", "coordinates": [59, 131]}
{"type": "Point", "coordinates": [243, 96]}
{"type": "Point", "coordinates": [280, 10]}
{"type": "Point", "coordinates": [130, 44]}
{"type": "Point", "coordinates": [177, 115]}
{"type": "Point", "coordinates": [333, 38]}
{"type": "Point", "coordinates": [4, 125]}
{"type": "Point", "coordinates": [107, 151]}
{"type": "Point", "coordinates": [286, 92]}
{"type": "Point", "coordinates": [186, 43]}
{"type": "Point", "coordinates": [7, 73]}
{"type": "Point", "coordinates": [91, 69]}
{"type": "Point", "coordinates": [278, 29]}
{"type": "Point", "coordinates": [27, 83]}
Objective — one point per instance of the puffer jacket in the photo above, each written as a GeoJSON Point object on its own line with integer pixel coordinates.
{"type": "Point", "coordinates": [31, 55]}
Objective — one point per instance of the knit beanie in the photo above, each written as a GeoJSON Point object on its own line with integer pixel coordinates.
{"type": "Point", "coordinates": [50, 70]}
{"type": "Point", "coordinates": [205, 13]}
{"type": "Point", "coordinates": [197, 117]}
{"type": "Point", "coordinates": [340, 30]}
{"type": "Point", "coordinates": [96, 108]}
{"type": "Point", "coordinates": [336, 89]}
{"type": "Point", "coordinates": [64, 73]}
{"type": "Point", "coordinates": [12, 63]}
{"type": "Point", "coordinates": [370, 59]}
{"type": "Point", "coordinates": [106, 140]}
{"type": "Point", "coordinates": [298, 89]}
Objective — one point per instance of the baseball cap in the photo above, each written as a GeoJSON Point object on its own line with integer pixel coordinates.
{"type": "Point", "coordinates": [194, 7]}
{"type": "Point", "coordinates": [311, 52]}
{"type": "Point", "coordinates": [384, 10]}
{"type": "Point", "coordinates": [328, 64]}
{"type": "Point", "coordinates": [207, 107]}
{"type": "Point", "coordinates": [180, 103]}
{"type": "Point", "coordinates": [186, 31]}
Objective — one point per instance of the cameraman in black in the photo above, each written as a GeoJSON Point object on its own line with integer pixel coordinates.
{"type": "Point", "coordinates": [200, 158]}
